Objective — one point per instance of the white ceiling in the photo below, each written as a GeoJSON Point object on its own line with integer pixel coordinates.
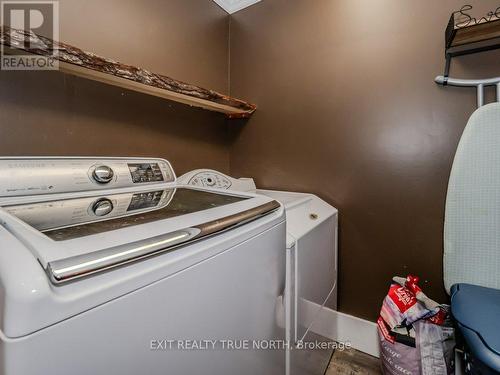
{"type": "Point", "coordinates": [232, 6]}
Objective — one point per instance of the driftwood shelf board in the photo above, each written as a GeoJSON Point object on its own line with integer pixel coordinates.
{"type": "Point", "coordinates": [479, 37]}
{"type": "Point", "coordinates": [74, 61]}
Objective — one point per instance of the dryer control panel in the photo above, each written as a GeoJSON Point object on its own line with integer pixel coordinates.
{"type": "Point", "coordinates": [34, 176]}
{"type": "Point", "coordinates": [213, 179]}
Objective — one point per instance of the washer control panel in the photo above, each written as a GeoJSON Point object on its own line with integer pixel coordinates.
{"type": "Point", "coordinates": [34, 176]}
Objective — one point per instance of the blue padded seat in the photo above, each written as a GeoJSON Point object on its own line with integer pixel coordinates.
{"type": "Point", "coordinates": [476, 311]}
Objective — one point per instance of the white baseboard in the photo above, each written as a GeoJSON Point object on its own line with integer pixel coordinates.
{"type": "Point", "coordinates": [361, 334]}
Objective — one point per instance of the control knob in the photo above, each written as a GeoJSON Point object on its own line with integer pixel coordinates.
{"type": "Point", "coordinates": [211, 181]}
{"type": "Point", "coordinates": [103, 174]}
{"type": "Point", "coordinates": [102, 207]}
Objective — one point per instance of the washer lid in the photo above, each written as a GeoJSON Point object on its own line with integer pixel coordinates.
{"type": "Point", "coordinates": [67, 219]}
{"type": "Point", "coordinates": [79, 236]}
{"type": "Point", "coordinates": [472, 218]}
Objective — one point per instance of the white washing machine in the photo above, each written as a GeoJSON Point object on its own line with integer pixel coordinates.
{"type": "Point", "coordinates": [311, 259]}
{"type": "Point", "coordinates": [108, 264]}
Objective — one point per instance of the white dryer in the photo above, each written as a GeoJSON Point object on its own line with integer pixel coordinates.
{"type": "Point", "coordinates": [311, 244]}
{"type": "Point", "coordinates": [108, 264]}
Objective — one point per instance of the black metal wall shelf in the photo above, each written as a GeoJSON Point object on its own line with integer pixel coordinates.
{"type": "Point", "coordinates": [471, 37]}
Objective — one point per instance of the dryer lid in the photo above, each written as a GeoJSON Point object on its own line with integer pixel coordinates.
{"type": "Point", "coordinates": [472, 217]}
{"type": "Point", "coordinates": [304, 212]}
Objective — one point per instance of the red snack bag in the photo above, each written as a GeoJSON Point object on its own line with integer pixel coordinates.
{"type": "Point", "coordinates": [401, 307]}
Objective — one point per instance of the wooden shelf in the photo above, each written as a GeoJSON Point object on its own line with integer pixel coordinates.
{"type": "Point", "coordinates": [478, 37]}
{"type": "Point", "coordinates": [474, 38]}
{"type": "Point", "coordinates": [74, 61]}
{"type": "Point", "coordinates": [475, 33]}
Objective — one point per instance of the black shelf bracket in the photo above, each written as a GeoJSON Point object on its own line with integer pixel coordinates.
{"type": "Point", "coordinates": [447, 66]}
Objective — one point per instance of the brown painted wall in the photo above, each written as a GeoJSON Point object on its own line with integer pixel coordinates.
{"type": "Point", "coordinates": [348, 110]}
{"type": "Point", "coordinates": [48, 113]}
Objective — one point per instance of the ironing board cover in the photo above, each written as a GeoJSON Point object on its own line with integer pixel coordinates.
{"type": "Point", "coordinates": [472, 218]}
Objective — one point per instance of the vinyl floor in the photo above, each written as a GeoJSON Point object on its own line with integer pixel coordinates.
{"type": "Point", "coordinates": [353, 362]}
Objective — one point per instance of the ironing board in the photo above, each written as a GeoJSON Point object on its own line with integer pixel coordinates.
{"type": "Point", "coordinates": [472, 217]}
{"type": "Point", "coordinates": [472, 241]}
